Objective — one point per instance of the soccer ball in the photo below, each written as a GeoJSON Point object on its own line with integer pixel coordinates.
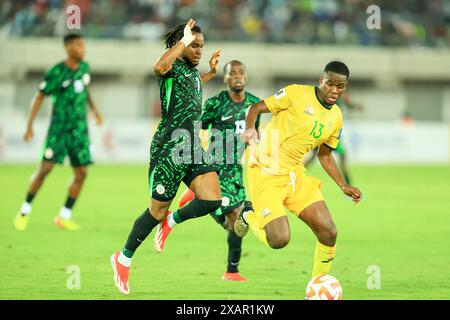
{"type": "Point", "coordinates": [324, 287]}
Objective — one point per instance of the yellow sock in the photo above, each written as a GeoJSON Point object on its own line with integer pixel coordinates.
{"type": "Point", "coordinates": [253, 222]}
{"type": "Point", "coordinates": [323, 259]}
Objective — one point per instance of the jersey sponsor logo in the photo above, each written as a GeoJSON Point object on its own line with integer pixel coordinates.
{"type": "Point", "coordinates": [225, 201]}
{"type": "Point", "coordinates": [280, 94]}
{"type": "Point", "coordinates": [48, 153]}
{"type": "Point", "coordinates": [160, 189]}
{"type": "Point", "coordinates": [225, 118]}
{"type": "Point", "coordinates": [187, 75]}
{"type": "Point", "coordinates": [309, 110]}
{"type": "Point", "coordinates": [78, 86]}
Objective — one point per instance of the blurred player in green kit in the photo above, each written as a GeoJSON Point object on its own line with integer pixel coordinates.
{"type": "Point", "coordinates": [67, 82]}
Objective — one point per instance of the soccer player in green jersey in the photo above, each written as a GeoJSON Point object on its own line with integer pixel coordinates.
{"type": "Point", "coordinates": [181, 102]}
{"type": "Point", "coordinates": [224, 117]}
{"type": "Point", "coordinates": [68, 83]}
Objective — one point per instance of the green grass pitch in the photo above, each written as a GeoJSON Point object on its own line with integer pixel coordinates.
{"type": "Point", "coordinates": [402, 226]}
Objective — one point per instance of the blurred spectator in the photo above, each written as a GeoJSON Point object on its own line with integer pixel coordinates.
{"type": "Point", "coordinates": [404, 22]}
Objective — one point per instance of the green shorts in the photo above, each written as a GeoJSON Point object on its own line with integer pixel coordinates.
{"type": "Point", "coordinates": [232, 186]}
{"type": "Point", "coordinates": [165, 175]}
{"type": "Point", "coordinates": [75, 145]}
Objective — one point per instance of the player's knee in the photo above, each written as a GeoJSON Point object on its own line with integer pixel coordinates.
{"type": "Point", "coordinates": [159, 214]}
{"type": "Point", "coordinates": [328, 236]}
{"type": "Point", "coordinates": [278, 241]}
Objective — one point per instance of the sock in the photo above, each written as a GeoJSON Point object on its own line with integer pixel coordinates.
{"type": "Point", "coordinates": [25, 209]}
{"type": "Point", "coordinates": [196, 208]}
{"type": "Point", "coordinates": [219, 217]}
{"type": "Point", "coordinates": [65, 213]}
{"type": "Point", "coordinates": [252, 220]}
{"type": "Point", "coordinates": [171, 221]}
{"type": "Point", "coordinates": [70, 202]}
{"type": "Point", "coordinates": [30, 197]}
{"type": "Point", "coordinates": [323, 259]}
{"type": "Point", "coordinates": [124, 260]}
{"type": "Point", "coordinates": [234, 251]}
{"type": "Point", "coordinates": [142, 227]}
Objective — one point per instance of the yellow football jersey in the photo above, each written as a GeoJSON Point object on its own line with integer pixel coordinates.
{"type": "Point", "coordinates": [299, 124]}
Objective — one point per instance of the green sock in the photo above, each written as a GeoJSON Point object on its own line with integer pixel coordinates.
{"type": "Point", "coordinates": [176, 216]}
{"type": "Point", "coordinates": [127, 253]}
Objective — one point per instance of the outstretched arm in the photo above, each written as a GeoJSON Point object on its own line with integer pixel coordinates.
{"type": "Point", "coordinates": [250, 122]}
{"type": "Point", "coordinates": [35, 107]}
{"type": "Point", "coordinates": [164, 63]}
{"type": "Point", "coordinates": [329, 164]}
{"type": "Point", "coordinates": [93, 107]}
{"type": "Point", "coordinates": [213, 63]}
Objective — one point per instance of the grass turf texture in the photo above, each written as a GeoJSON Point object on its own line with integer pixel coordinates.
{"type": "Point", "coordinates": [402, 226]}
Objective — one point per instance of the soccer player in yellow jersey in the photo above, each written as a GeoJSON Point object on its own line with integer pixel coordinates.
{"type": "Point", "coordinates": [304, 117]}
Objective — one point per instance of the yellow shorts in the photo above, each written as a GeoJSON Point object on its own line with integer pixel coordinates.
{"type": "Point", "coordinates": [270, 194]}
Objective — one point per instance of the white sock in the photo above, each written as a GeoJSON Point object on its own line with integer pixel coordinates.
{"type": "Point", "coordinates": [65, 213]}
{"type": "Point", "coordinates": [170, 221]}
{"type": "Point", "coordinates": [124, 260]}
{"type": "Point", "coordinates": [25, 209]}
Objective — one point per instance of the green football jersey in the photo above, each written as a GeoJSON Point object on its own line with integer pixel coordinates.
{"type": "Point", "coordinates": [226, 119]}
{"type": "Point", "coordinates": [69, 90]}
{"type": "Point", "coordinates": [181, 101]}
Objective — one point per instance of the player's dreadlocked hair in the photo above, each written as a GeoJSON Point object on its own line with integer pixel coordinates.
{"type": "Point", "coordinates": [173, 36]}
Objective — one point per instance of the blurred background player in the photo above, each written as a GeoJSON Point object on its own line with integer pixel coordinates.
{"type": "Point", "coordinates": [303, 117]}
{"type": "Point", "coordinates": [68, 83]}
{"type": "Point", "coordinates": [181, 101]}
{"type": "Point", "coordinates": [346, 105]}
{"type": "Point", "coordinates": [224, 117]}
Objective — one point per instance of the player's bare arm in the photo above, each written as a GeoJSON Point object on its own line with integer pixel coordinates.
{"type": "Point", "coordinates": [35, 107]}
{"type": "Point", "coordinates": [250, 121]}
{"type": "Point", "coordinates": [94, 110]}
{"type": "Point", "coordinates": [329, 164]}
{"type": "Point", "coordinates": [213, 65]}
{"type": "Point", "coordinates": [164, 63]}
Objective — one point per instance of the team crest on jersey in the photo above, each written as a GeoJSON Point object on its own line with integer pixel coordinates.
{"type": "Point", "coordinates": [42, 85]}
{"type": "Point", "coordinates": [160, 189]}
{"type": "Point", "coordinates": [225, 201]}
{"type": "Point", "coordinates": [309, 110]}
